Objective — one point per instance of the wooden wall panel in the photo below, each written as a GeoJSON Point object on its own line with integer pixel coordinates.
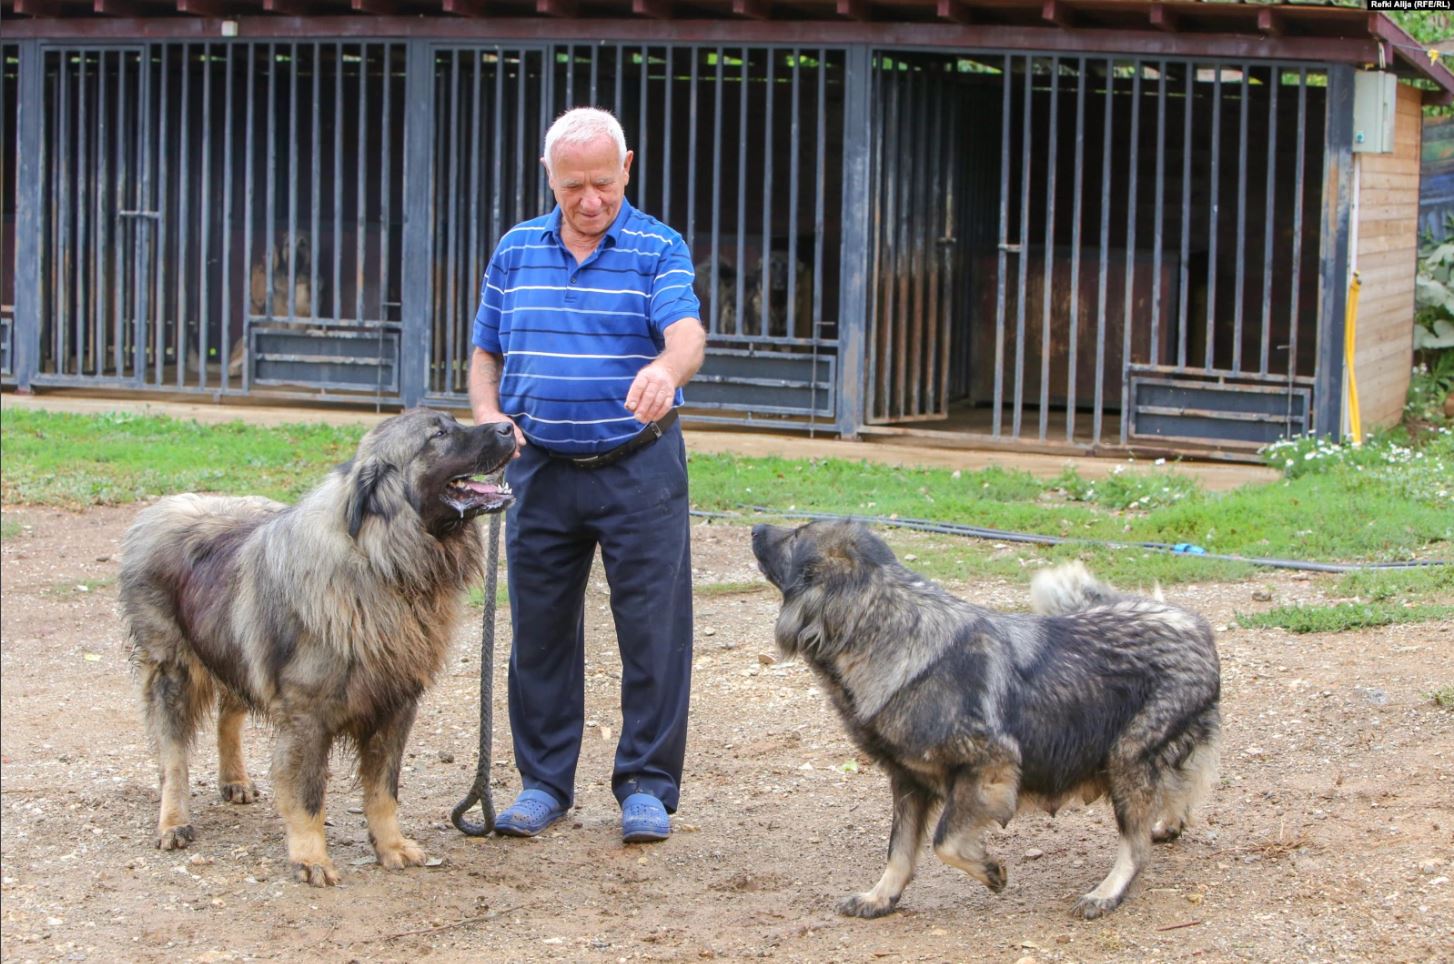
{"type": "Point", "coordinates": [1387, 249]}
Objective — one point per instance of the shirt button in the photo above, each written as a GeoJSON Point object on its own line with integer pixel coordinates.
{"type": "Point", "coordinates": [572, 280]}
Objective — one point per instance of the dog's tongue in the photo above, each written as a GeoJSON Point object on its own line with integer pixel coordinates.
{"type": "Point", "coordinates": [479, 488]}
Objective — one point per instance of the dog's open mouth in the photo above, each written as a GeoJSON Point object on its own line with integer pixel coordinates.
{"type": "Point", "coordinates": [471, 495]}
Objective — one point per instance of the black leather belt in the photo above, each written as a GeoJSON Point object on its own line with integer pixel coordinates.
{"type": "Point", "coordinates": [652, 432]}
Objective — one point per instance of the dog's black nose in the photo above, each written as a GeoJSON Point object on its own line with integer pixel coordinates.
{"type": "Point", "coordinates": [505, 428]}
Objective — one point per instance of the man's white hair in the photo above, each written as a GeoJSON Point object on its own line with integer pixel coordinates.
{"type": "Point", "coordinates": [582, 125]}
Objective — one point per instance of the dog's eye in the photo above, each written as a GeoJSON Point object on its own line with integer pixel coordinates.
{"type": "Point", "coordinates": [441, 433]}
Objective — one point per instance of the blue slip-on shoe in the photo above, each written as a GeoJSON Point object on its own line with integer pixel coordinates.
{"type": "Point", "coordinates": [643, 819]}
{"type": "Point", "coordinates": [532, 811]}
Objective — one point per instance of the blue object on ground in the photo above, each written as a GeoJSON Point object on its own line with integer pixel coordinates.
{"type": "Point", "coordinates": [532, 812]}
{"type": "Point", "coordinates": [643, 818]}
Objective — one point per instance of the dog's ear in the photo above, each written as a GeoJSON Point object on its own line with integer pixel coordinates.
{"type": "Point", "coordinates": [363, 494]}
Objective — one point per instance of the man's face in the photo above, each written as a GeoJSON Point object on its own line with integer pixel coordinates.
{"type": "Point", "coordinates": [589, 182]}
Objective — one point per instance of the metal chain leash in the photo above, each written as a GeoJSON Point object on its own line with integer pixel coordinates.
{"type": "Point", "coordinates": [480, 791]}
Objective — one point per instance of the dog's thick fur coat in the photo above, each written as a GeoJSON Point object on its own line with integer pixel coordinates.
{"type": "Point", "coordinates": [329, 618]}
{"type": "Point", "coordinates": [985, 712]}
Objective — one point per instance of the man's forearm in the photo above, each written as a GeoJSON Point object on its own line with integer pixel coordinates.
{"type": "Point", "coordinates": [484, 386]}
{"type": "Point", "coordinates": [686, 344]}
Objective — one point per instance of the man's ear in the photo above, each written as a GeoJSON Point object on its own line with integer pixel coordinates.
{"type": "Point", "coordinates": [363, 495]}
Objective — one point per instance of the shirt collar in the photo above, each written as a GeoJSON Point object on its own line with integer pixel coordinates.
{"type": "Point", "coordinates": [551, 228]}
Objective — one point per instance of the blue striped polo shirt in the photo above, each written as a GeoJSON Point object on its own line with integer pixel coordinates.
{"type": "Point", "coordinates": [573, 336]}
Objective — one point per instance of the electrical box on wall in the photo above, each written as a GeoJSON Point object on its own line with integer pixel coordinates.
{"type": "Point", "coordinates": [1375, 95]}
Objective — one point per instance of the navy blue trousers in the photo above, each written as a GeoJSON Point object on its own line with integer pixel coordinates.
{"type": "Point", "coordinates": [636, 511]}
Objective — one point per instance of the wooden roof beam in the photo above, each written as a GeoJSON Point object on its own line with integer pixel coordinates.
{"type": "Point", "coordinates": [466, 8]}
{"type": "Point", "coordinates": [1164, 18]}
{"type": "Point", "coordinates": [556, 8]}
{"type": "Point", "coordinates": [380, 8]}
{"type": "Point", "coordinates": [288, 8]}
{"type": "Point", "coordinates": [1269, 23]}
{"type": "Point", "coordinates": [853, 9]}
{"type": "Point", "coordinates": [38, 8]}
{"type": "Point", "coordinates": [752, 9]}
{"type": "Point", "coordinates": [1053, 11]}
{"type": "Point", "coordinates": [202, 8]}
{"type": "Point", "coordinates": [655, 9]}
{"type": "Point", "coordinates": [116, 8]}
{"type": "Point", "coordinates": [955, 11]}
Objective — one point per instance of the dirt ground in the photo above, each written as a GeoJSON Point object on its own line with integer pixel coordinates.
{"type": "Point", "coordinates": [1329, 837]}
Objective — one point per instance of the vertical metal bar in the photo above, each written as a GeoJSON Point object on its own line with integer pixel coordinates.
{"type": "Point", "coordinates": [1269, 214]}
{"type": "Point", "coordinates": [876, 323]}
{"type": "Point", "coordinates": [293, 183]}
{"type": "Point", "coordinates": [643, 125]}
{"type": "Point", "coordinates": [30, 208]}
{"type": "Point", "coordinates": [361, 211]}
{"type": "Point", "coordinates": [1047, 289]}
{"type": "Point", "coordinates": [595, 99]}
{"type": "Point", "coordinates": [315, 182]}
{"type": "Point", "coordinates": [184, 212]}
{"type": "Point", "coordinates": [522, 149]}
{"type": "Point", "coordinates": [667, 136]}
{"type": "Point", "coordinates": [570, 76]}
{"type": "Point", "coordinates": [857, 136]}
{"type": "Point", "coordinates": [692, 176]}
{"type": "Point", "coordinates": [270, 235]}
{"type": "Point", "coordinates": [386, 183]}
{"type": "Point", "coordinates": [1022, 283]}
{"type": "Point", "coordinates": [1007, 79]}
{"type": "Point", "coordinates": [1183, 321]}
{"type": "Point", "coordinates": [102, 214]}
{"type": "Point", "coordinates": [158, 255]}
{"type": "Point", "coordinates": [475, 265]}
{"type": "Point", "coordinates": [1239, 285]}
{"type": "Point", "coordinates": [1214, 217]}
{"type": "Point", "coordinates": [249, 163]}
{"type": "Point", "coordinates": [767, 159]}
{"type": "Point", "coordinates": [1073, 347]}
{"type": "Point", "coordinates": [451, 228]}
{"type": "Point", "coordinates": [224, 326]}
{"type": "Point", "coordinates": [717, 199]}
{"type": "Point", "coordinates": [1155, 358]}
{"type": "Point", "coordinates": [204, 272]}
{"type": "Point", "coordinates": [497, 148]}
{"type": "Point", "coordinates": [1293, 314]}
{"type": "Point", "coordinates": [415, 286]}
{"type": "Point", "coordinates": [1128, 318]}
{"type": "Point", "coordinates": [142, 291]}
{"type": "Point", "coordinates": [617, 69]}
{"type": "Point", "coordinates": [83, 202]}
{"type": "Point", "coordinates": [740, 225]}
{"type": "Point", "coordinates": [792, 322]}
{"type": "Point", "coordinates": [918, 210]}
{"type": "Point", "coordinates": [1107, 135]}
{"type": "Point", "coordinates": [1333, 250]}
{"type": "Point", "coordinates": [939, 200]}
{"type": "Point", "coordinates": [820, 190]}
{"type": "Point", "coordinates": [61, 199]}
{"type": "Point", "coordinates": [338, 120]}
{"type": "Point", "coordinates": [890, 321]}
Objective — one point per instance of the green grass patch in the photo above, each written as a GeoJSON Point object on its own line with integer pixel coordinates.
{"type": "Point", "coordinates": [1443, 697]}
{"type": "Point", "coordinates": [1384, 585]}
{"type": "Point", "coordinates": [1342, 617]}
{"type": "Point", "coordinates": [10, 529]}
{"type": "Point", "coordinates": [476, 595]}
{"type": "Point", "coordinates": [81, 587]}
{"type": "Point", "coordinates": [74, 461]}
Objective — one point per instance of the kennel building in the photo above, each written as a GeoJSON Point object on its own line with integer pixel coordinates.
{"type": "Point", "coordinates": [1095, 225]}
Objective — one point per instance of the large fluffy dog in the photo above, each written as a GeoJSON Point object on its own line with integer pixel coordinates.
{"type": "Point", "coordinates": [984, 712]}
{"type": "Point", "coordinates": [329, 617]}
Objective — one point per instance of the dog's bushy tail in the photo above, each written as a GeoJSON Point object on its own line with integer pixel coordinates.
{"type": "Point", "coordinates": [1071, 589]}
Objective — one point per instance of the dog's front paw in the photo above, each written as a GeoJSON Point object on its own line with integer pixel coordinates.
{"type": "Point", "coordinates": [319, 874]}
{"type": "Point", "coordinates": [176, 838]}
{"type": "Point", "coordinates": [866, 905]}
{"type": "Point", "coordinates": [238, 792]}
{"type": "Point", "coordinates": [1090, 908]}
{"type": "Point", "coordinates": [402, 853]}
{"type": "Point", "coordinates": [995, 877]}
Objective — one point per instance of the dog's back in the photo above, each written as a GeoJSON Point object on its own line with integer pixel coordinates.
{"type": "Point", "coordinates": [1072, 589]}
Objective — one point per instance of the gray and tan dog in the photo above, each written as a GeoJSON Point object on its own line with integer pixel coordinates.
{"type": "Point", "coordinates": [329, 618]}
{"type": "Point", "coordinates": [985, 712]}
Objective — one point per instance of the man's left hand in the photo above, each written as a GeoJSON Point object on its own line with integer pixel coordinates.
{"type": "Point", "coordinates": [652, 393]}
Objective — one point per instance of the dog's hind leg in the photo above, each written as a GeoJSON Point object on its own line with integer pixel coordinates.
{"type": "Point", "coordinates": [232, 779]}
{"type": "Point", "coordinates": [300, 777]}
{"type": "Point", "coordinates": [911, 818]}
{"type": "Point", "coordinates": [1134, 798]}
{"type": "Point", "coordinates": [978, 798]}
{"type": "Point", "coordinates": [1187, 782]}
{"type": "Point", "coordinates": [378, 770]}
{"type": "Point", "coordinates": [175, 695]}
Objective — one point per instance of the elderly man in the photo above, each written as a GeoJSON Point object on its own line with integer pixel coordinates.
{"type": "Point", "coordinates": [587, 330]}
